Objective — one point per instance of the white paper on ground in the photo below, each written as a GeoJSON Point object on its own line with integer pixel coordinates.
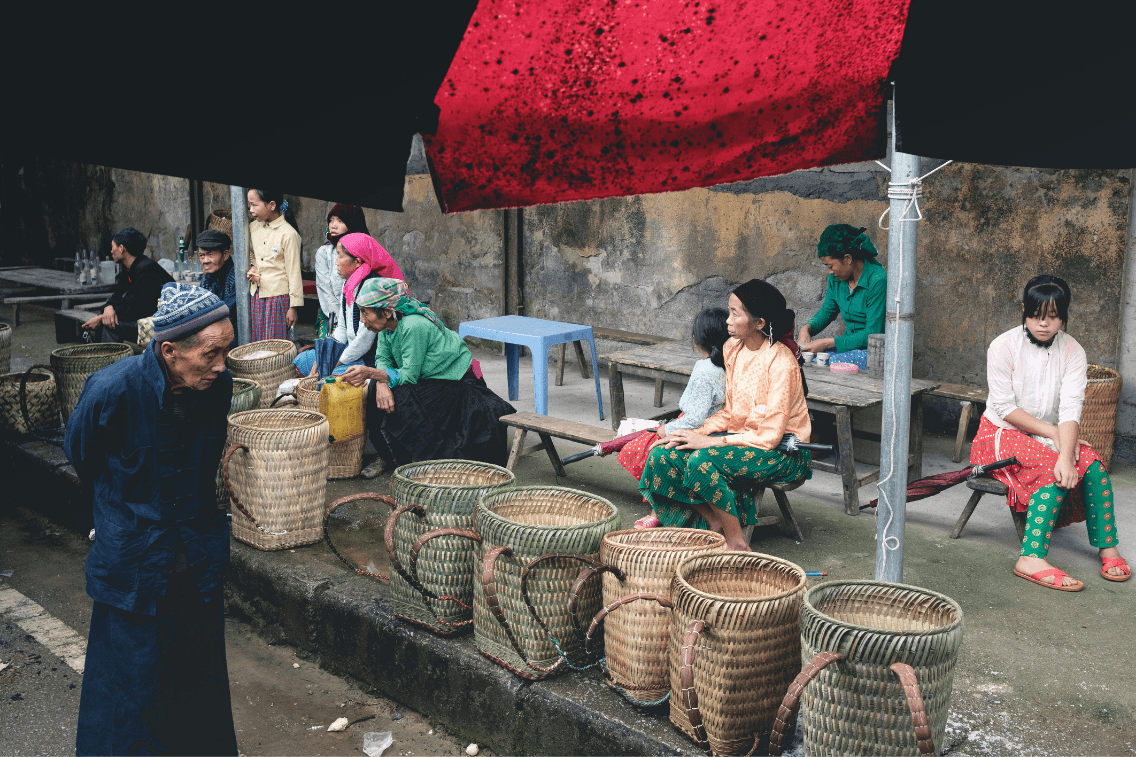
{"type": "Point", "coordinates": [374, 744]}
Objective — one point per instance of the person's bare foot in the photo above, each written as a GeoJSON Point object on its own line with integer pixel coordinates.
{"type": "Point", "coordinates": [739, 546]}
{"type": "Point", "coordinates": [1031, 565]}
{"type": "Point", "coordinates": [1113, 553]}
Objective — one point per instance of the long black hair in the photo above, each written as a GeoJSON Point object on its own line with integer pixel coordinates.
{"type": "Point", "coordinates": [764, 301]}
{"type": "Point", "coordinates": [271, 195]}
{"type": "Point", "coordinates": [710, 333]}
{"type": "Point", "coordinates": [1043, 291]}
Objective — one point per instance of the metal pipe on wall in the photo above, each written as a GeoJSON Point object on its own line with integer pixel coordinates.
{"type": "Point", "coordinates": [899, 329]}
{"type": "Point", "coordinates": [238, 201]}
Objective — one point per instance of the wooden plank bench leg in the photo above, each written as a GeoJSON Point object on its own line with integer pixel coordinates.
{"type": "Point", "coordinates": [518, 445]}
{"type": "Point", "coordinates": [966, 513]}
{"type": "Point", "coordinates": [846, 460]}
{"type": "Point", "coordinates": [557, 465]}
{"type": "Point", "coordinates": [964, 424]}
{"type": "Point", "coordinates": [658, 392]}
{"type": "Point", "coordinates": [584, 372]}
{"type": "Point", "coordinates": [787, 515]}
{"type": "Point", "coordinates": [1019, 525]}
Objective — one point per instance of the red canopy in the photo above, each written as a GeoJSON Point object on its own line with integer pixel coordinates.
{"type": "Point", "coordinates": [575, 99]}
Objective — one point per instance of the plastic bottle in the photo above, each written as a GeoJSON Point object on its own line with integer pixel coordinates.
{"type": "Point", "coordinates": [343, 406]}
{"type": "Point", "coordinates": [80, 269]}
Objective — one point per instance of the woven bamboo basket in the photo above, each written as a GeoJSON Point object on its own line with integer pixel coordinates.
{"type": "Point", "coordinates": [734, 647]}
{"type": "Point", "coordinates": [276, 474]}
{"type": "Point", "coordinates": [5, 348]}
{"type": "Point", "coordinates": [533, 540]}
{"type": "Point", "coordinates": [40, 395]}
{"type": "Point", "coordinates": [432, 586]}
{"type": "Point", "coordinates": [269, 372]}
{"type": "Point", "coordinates": [221, 219]}
{"type": "Point", "coordinates": [640, 564]}
{"type": "Point", "coordinates": [246, 396]}
{"type": "Point", "coordinates": [346, 458]}
{"type": "Point", "coordinates": [1098, 414]}
{"type": "Point", "coordinates": [75, 364]}
{"type": "Point", "coordinates": [879, 666]}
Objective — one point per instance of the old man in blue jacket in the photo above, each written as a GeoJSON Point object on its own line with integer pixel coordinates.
{"type": "Point", "coordinates": [147, 436]}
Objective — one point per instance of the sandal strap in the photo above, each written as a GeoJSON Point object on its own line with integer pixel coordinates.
{"type": "Point", "coordinates": [1059, 575]}
{"type": "Point", "coordinates": [1116, 562]}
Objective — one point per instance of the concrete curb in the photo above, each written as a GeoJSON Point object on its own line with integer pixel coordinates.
{"type": "Point", "coordinates": [305, 599]}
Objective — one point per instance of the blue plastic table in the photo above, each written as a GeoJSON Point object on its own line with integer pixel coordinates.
{"type": "Point", "coordinates": [538, 335]}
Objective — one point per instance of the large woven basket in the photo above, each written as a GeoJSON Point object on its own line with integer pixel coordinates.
{"type": "Point", "coordinates": [430, 541]}
{"type": "Point", "coordinates": [879, 666]}
{"type": "Point", "coordinates": [1098, 414]}
{"type": "Point", "coordinates": [75, 364]}
{"type": "Point", "coordinates": [221, 219]}
{"type": "Point", "coordinates": [270, 372]}
{"type": "Point", "coordinates": [533, 541]}
{"type": "Point", "coordinates": [640, 564]}
{"type": "Point", "coordinates": [5, 348]}
{"type": "Point", "coordinates": [41, 397]}
{"type": "Point", "coordinates": [346, 458]}
{"type": "Point", "coordinates": [276, 472]}
{"type": "Point", "coordinates": [246, 396]}
{"type": "Point", "coordinates": [735, 645]}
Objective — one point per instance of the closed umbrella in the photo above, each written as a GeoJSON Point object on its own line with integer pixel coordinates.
{"type": "Point", "coordinates": [926, 487]}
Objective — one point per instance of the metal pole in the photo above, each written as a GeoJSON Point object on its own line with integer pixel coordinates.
{"type": "Point", "coordinates": [238, 201]}
{"type": "Point", "coordinates": [903, 241]}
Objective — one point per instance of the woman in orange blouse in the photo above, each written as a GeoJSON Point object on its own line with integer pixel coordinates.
{"type": "Point", "coordinates": [688, 475]}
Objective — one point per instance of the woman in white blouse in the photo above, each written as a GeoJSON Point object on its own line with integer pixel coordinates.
{"type": "Point", "coordinates": [1037, 375]}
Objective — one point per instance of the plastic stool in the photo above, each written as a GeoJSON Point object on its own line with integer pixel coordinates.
{"type": "Point", "coordinates": [539, 336]}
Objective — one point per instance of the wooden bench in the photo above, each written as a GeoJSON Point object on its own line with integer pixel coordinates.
{"type": "Point", "coordinates": [968, 397]}
{"type": "Point", "coordinates": [612, 335]}
{"type": "Point", "coordinates": [786, 520]}
{"type": "Point", "coordinates": [981, 486]}
{"type": "Point", "coordinates": [548, 427]}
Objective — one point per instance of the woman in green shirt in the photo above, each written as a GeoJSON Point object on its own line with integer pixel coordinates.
{"type": "Point", "coordinates": [427, 400]}
{"type": "Point", "coordinates": [857, 290]}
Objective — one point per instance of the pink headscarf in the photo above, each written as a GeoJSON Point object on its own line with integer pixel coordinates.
{"type": "Point", "coordinates": [373, 257]}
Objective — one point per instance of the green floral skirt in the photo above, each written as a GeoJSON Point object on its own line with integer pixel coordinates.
{"type": "Point", "coordinates": [674, 480]}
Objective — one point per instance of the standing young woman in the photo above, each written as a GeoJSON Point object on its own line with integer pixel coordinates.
{"type": "Point", "coordinates": [688, 475]}
{"type": "Point", "coordinates": [274, 278]}
{"type": "Point", "coordinates": [341, 220]}
{"type": "Point", "coordinates": [1037, 375]}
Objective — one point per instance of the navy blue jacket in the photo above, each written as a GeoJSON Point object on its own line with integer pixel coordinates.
{"type": "Point", "coordinates": [153, 480]}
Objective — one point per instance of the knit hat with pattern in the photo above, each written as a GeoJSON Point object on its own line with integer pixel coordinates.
{"type": "Point", "coordinates": [185, 309]}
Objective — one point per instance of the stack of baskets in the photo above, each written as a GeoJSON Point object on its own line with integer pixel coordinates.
{"type": "Point", "coordinates": [276, 474]}
{"type": "Point", "coordinates": [41, 397]}
{"type": "Point", "coordinates": [5, 348]}
{"type": "Point", "coordinates": [246, 396]}
{"type": "Point", "coordinates": [346, 458]}
{"type": "Point", "coordinates": [533, 540]}
{"type": "Point", "coordinates": [269, 371]}
{"type": "Point", "coordinates": [74, 365]}
{"type": "Point", "coordinates": [429, 541]}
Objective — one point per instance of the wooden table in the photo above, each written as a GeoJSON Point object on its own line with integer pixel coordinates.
{"type": "Point", "coordinates": [840, 394]}
{"type": "Point", "coordinates": [57, 282]}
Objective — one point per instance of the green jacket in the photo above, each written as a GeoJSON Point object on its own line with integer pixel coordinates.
{"type": "Point", "coordinates": [418, 349]}
{"type": "Point", "coordinates": [862, 309]}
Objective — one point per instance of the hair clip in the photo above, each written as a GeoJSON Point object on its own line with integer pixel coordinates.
{"type": "Point", "coordinates": [284, 207]}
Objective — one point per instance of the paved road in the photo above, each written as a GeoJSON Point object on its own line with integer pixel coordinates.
{"type": "Point", "coordinates": [282, 704]}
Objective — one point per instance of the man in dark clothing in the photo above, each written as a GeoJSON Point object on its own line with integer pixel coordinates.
{"type": "Point", "coordinates": [146, 437]}
{"type": "Point", "coordinates": [214, 250]}
{"type": "Point", "coordinates": [136, 289]}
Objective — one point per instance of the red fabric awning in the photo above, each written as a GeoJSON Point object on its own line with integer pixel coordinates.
{"type": "Point", "coordinates": [555, 100]}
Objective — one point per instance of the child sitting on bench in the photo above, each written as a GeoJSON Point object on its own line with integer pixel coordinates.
{"type": "Point", "coordinates": [704, 395]}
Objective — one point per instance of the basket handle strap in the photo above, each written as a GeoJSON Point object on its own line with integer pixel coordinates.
{"type": "Point", "coordinates": [388, 538]}
{"type": "Point", "coordinates": [915, 704]}
{"type": "Point", "coordinates": [489, 587]}
{"type": "Point", "coordinates": [33, 428]}
{"type": "Point", "coordinates": [233, 495]}
{"type": "Point", "coordinates": [686, 682]}
{"type": "Point", "coordinates": [793, 696]}
{"type": "Point", "coordinates": [663, 599]}
{"type": "Point", "coordinates": [415, 548]}
{"type": "Point", "coordinates": [290, 395]}
{"type": "Point", "coordinates": [327, 535]}
{"type": "Point", "coordinates": [594, 563]}
{"type": "Point", "coordinates": [578, 586]}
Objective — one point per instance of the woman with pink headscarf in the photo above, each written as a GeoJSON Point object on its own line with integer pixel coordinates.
{"type": "Point", "coordinates": [358, 258]}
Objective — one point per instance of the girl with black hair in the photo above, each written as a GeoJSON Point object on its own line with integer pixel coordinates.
{"type": "Point", "coordinates": [341, 220]}
{"type": "Point", "coordinates": [688, 475]}
{"type": "Point", "coordinates": [1037, 374]}
{"type": "Point", "coordinates": [274, 278]}
{"type": "Point", "coordinates": [704, 395]}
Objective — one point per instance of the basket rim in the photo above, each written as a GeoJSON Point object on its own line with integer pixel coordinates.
{"type": "Point", "coordinates": [246, 385]}
{"type": "Point", "coordinates": [314, 418]}
{"type": "Point", "coordinates": [719, 598]}
{"type": "Point", "coordinates": [398, 473]}
{"type": "Point", "coordinates": [41, 374]}
{"type": "Point", "coordinates": [883, 584]}
{"type": "Point", "coordinates": [5, 327]}
{"type": "Point", "coordinates": [1113, 374]}
{"type": "Point", "coordinates": [611, 544]}
{"type": "Point", "coordinates": [517, 490]}
{"type": "Point", "coordinates": [263, 344]}
{"type": "Point", "coordinates": [107, 350]}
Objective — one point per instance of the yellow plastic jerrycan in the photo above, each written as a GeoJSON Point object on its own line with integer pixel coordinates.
{"type": "Point", "coordinates": [343, 406]}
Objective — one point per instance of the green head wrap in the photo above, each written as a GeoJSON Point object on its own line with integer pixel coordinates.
{"type": "Point", "coordinates": [392, 294]}
{"type": "Point", "coordinates": [841, 239]}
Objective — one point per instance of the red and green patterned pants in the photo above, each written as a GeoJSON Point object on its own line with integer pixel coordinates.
{"type": "Point", "coordinates": [1045, 505]}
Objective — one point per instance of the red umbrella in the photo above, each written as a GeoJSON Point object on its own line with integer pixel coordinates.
{"type": "Point", "coordinates": [926, 487]}
{"type": "Point", "coordinates": [789, 443]}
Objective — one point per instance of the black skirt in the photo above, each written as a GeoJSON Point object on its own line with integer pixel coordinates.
{"type": "Point", "coordinates": [441, 419]}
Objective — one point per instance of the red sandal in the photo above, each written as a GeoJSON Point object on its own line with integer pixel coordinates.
{"type": "Point", "coordinates": [648, 521]}
{"type": "Point", "coordinates": [1115, 562]}
{"type": "Point", "coordinates": [1058, 577]}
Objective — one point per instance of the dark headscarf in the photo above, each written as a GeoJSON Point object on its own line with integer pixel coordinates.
{"type": "Point", "coordinates": [352, 215]}
{"type": "Point", "coordinates": [763, 300]}
{"type": "Point", "coordinates": [841, 239]}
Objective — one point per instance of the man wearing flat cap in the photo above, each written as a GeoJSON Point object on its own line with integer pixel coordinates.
{"type": "Point", "coordinates": [214, 250]}
{"type": "Point", "coordinates": [146, 438]}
